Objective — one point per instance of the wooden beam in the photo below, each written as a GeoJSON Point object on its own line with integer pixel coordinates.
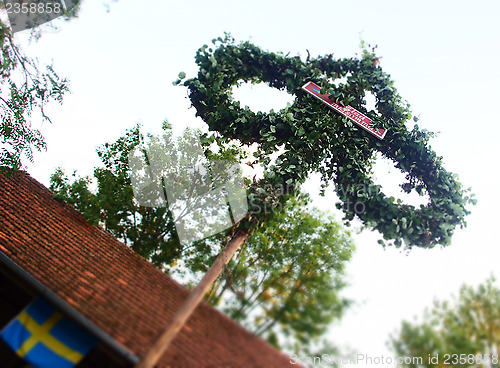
{"type": "Point", "coordinates": [181, 316]}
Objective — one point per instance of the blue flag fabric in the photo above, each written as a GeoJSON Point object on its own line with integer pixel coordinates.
{"type": "Point", "coordinates": [43, 337]}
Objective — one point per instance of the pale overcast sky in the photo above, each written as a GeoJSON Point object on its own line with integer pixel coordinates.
{"type": "Point", "coordinates": [443, 56]}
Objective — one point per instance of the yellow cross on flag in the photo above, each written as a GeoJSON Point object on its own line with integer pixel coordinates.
{"type": "Point", "coordinates": [45, 338]}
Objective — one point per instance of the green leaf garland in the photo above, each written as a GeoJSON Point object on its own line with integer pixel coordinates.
{"type": "Point", "coordinates": [318, 139]}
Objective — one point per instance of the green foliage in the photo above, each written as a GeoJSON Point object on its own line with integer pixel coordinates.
{"type": "Point", "coordinates": [148, 231]}
{"type": "Point", "coordinates": [24, 89]}
{"type": "Point", "coordinates": [317, 139]}
{"type": "Point", "coordinates": [469, 325]}
{"type": "Point", "coordinates": [286, 281]}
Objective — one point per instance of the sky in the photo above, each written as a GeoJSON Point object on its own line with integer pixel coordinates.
{"type": "Point", "coordinates": [442, 55]}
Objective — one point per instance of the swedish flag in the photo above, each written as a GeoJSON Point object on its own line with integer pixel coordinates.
{"type": "Point", "coordinates": [43, 337]}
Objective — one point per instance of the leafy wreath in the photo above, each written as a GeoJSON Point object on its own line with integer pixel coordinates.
{"type": "Point", "coordinates": [315, 138]}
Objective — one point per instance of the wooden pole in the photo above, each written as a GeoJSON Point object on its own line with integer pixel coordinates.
{"type": "Point", "coordinates": [179, 319]}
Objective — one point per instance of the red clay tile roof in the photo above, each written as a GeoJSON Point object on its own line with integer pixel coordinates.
{"type": "Point", "coordinates": [112, 286]}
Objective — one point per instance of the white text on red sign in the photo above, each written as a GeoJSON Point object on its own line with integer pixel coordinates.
{"type": "Point", "coordinates": [348, 111]}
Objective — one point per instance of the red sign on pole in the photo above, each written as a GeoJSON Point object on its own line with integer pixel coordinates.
{"type": "Point", "coordinates": [348, 111]}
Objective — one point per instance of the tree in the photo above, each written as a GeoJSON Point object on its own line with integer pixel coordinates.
{"type": "Point", "coordinates": [25, 88]}
{"type": "Point", "coordinates": [149, 231]}
{"type": "Point", "coordinates": [462, 333]}
{"type": "Point", "coordinates": [285, 283]}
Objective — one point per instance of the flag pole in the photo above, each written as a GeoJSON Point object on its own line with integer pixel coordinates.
{"type": "Point", "coordinates": [163, 341]}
